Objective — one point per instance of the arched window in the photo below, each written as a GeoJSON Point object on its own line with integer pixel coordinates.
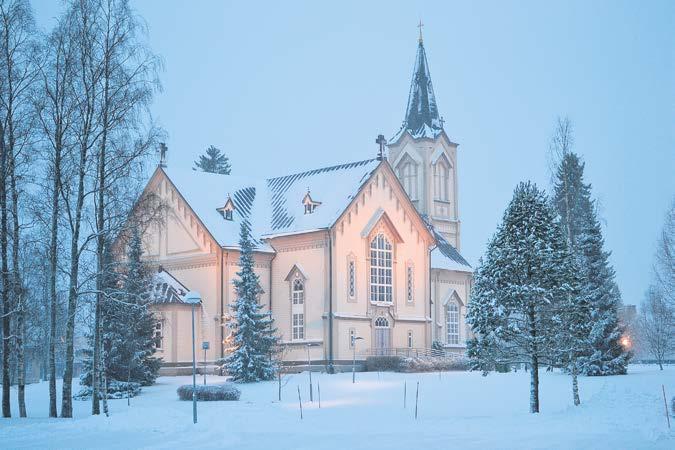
{"type": "Point", "coordinates": [298, 309]}
{"type": "Point", "coordinates": [452, 323]}
{"type": "Point", "coordinates": [351, 273]}
{"type": "Point", "coordinates": [407, 173]}
{"type": "Point", "coordinates": [381, 322]}
{"type": "Point", "coordinates": [380, 270]}
{"type": "Point", "coordinates": [298, 292]}
{"type": "Point", "coordinates": [441, 181]}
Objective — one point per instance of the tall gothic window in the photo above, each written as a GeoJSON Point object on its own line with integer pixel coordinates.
{"type": "Point", "coordinates": [380, 270]}
{"type": "Point", "coordinates": [409, 284]}
{"type": "Point", "coordinates": [441, 181]}
{"type": "Point", "coordinates": [298, 309]}
{"type": "Point", "coordinates": [452, 323]}
{"type": "Point", "coordinates": [407, 173]}
{"type": "Point", "coordinates": [351, 269]}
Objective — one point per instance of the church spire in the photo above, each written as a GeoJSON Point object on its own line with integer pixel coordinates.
{"type": "Point", "coordinates": [421, 117]}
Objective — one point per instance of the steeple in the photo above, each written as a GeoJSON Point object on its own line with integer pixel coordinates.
{"type": "Point", "coordinates": [421, 117]}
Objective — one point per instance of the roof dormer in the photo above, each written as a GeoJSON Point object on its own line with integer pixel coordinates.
{"type": "Point", "coordinates": [309, 203]}
{"type": "Point", "coordinates": [227, 210]}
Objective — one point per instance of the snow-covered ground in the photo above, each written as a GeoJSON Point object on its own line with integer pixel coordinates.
{"type": "Point", "coordinates": [456, 410]}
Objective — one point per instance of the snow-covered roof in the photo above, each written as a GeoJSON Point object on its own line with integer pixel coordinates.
{"type": "Point", "coordinates": [167, 289]}
{"type": "Point", "coordinates": [445, 255]}
{"type": "Point", "coordinates": [273, 206]}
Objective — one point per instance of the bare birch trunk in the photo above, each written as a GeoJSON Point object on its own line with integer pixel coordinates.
{"type": "Point", "coordinates": [6, 308]}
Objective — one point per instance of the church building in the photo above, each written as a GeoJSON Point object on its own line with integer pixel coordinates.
{"type": "Point", "coordinates": [362, 253]}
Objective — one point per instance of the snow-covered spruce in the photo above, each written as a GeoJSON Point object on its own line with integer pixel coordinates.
{"type": "Point", "coordinates": [520, 286]}
{"type": "Point", "coordinates": [127, 324]}
{"type": "Point", "coordinates": [572, 200]}
{"type": "Point", "coordinates": [254, 336]}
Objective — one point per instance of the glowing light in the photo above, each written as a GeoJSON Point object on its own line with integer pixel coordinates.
{"type": "Point", "coordinates": [625, 342]}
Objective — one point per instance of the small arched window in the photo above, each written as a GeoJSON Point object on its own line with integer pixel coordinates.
{"type": "Point", "coordinates": [452, 323]}
{"type": "Point", "coordinates": [441, 181]}
{"type": "Point", "coordinates": [407, 173]}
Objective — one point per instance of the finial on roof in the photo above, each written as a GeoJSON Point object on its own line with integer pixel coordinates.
{"type": "Point", "coordinates": [381, 141]}
{"type": "Point", "coordinates": [162, 154]}
{"type": "Point", "coordinates": [420, 25]}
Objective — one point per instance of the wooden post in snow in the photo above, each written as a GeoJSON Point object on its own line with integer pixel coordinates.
{"type": "Point", "coordinates": [417, 397]}
{"type": "Point", "coordinates": [665, 403]}
{"type": "Point", "coordinates": [300, 402]}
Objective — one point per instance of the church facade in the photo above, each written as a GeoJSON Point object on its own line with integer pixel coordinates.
{"type": "Point", "coordinates": [361, 257]}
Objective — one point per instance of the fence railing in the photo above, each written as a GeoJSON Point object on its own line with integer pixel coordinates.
{"type": "Point", "coordinates": [410, 352]}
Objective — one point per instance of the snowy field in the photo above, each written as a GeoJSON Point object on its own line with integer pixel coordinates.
{"type": "Point", "coordinates": [456, 410]}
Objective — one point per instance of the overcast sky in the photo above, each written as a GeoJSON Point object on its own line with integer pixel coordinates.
{"type": "Point", "coordinates": [287, 86]}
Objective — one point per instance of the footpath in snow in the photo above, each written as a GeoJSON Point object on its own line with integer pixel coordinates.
{"type": "Point", "coordinates": [456, 410]}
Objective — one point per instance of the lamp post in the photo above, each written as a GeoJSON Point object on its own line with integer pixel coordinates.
{"type": "Point", "coordinates": [309, 369]}
{"type": "Point", "coordinates": [205, 347]}
{"type": "Point", "coordinates": [354, 339]}
{"type": "Point", "coordinates": [193, 299]}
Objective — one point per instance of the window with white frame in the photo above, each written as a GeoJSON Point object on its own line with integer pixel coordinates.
{"type": "Point", "coordinates": [407, 173]}
{"type": "Point", "coordinates": [441, 181]}
{"type": "Point", "coordinates": [409, 283]}
{"type": "Point", "coordinates": [159, 335]}
{"type": "Point", "coordinates": [351, 273]}
{"type": "Point", "coordinates": [410, 339]}
{"type": "Point", "coordinates": [452, 323]}
{"type": "Point", "coordinates": [298, 292]}
{"type": "Point", "coordinates": [298, 326]}
{"type": "Point", "coordinates": [381, 270]}
{"type": "Point", "coordinates": [352, 337]}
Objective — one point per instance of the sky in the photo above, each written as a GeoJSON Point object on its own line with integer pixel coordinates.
{"type": "Point", "coordinates": [282, 87]}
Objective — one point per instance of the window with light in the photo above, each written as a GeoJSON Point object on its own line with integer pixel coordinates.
{"type": "Point", "coordinates": [381, 270]}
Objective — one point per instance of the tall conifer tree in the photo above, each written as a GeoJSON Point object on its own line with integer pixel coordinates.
{"type": "Point", "coordinates": [254, 336]}
{"type": "Point", "coordinates": [520, 287]}
{"type": "Point", "coordinates": [213, 162]}
{"type": "Point", "coordinates": [572, 200]}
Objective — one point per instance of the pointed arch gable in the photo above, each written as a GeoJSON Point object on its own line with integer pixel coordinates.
{"type": "Point", "coordinates": [452, 295]}
{"type": "Point", "coordinates": [381, 218]}
{"type": "Point", "coordinates": [296, 269]}
{"type": "Point", "coordinates": [410, 154]}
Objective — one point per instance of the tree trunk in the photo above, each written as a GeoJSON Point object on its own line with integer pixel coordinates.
{"type": "Point", "coordinates": [67, 392]}
{"type": "Point", "coordinates": [575, 387]}
{"type": "Point", "coordinates": [534, 385]}
{"type": "Point", "coordinates": [53, 303]}
{"type": "Point", "coordinates": [6, 309]}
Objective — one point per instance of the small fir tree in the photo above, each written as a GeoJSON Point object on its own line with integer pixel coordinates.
{"type": "Point", "coordinates": [254, 337]}
{"type": "Point", "coordinates": [572, 200]}
{"type": "Point", "coordinates": [213, 162]}
{"type": "Point", "coordinates": [519, 288]}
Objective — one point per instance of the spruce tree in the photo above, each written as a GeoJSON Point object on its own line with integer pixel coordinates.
{"type": "Point", "coordinates": [520, 286]}
{"type": "Point", "coordinates": [127, 323]}
{"type": "Point", "coordinates": [213, 162]}
{"type": "Point", "coordinates": [254, 336]}
{"type": "Point", "coordinates": [573, 203]}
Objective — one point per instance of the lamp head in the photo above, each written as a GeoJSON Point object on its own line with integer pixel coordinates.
{"type": "Point", "coordinates": [193, 298]}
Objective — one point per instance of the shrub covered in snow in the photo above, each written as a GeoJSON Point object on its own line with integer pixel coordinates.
{"type": "Point", "coordinates": [433, 364]}
{"type": "Point", "coordinates": [115, 389]}
{"type": "Point", "coordinates": [212, 392]}
{"type": "Point", "coordinates": [384, 363]}
{"type": "Point", "coordinates": [416, 364]}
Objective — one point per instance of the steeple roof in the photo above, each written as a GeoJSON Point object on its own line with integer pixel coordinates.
{"type": "Point", "coordinates": [421, 117]}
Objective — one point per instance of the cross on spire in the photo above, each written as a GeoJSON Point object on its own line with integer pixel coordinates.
{"type": "Point", "coordinates": [382, 142]}
{"type": "Point", "coordinates": [420, 25]}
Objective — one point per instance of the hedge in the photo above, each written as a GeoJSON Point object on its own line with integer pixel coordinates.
{"type": "Point", "coordinates": [209, 393]}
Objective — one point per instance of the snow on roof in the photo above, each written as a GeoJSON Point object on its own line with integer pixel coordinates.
{"type": "Point", "coordinates": [273, 206]}
{"type": "Point", "coordinates": [445, 255]}
{"type": "Point", "coordinates": [167, 288]}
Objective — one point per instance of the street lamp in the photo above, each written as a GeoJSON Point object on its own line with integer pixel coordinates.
{"type": "Point", "coordinates": [354, 339]}
{"type": "Point", "coordinates": [309, 369]}
{"type": "Point", "coordinates": [193, 299]}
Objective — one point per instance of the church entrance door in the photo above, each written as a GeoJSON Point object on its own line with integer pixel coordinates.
{"type": "Point", "coordinates": [382, 335]}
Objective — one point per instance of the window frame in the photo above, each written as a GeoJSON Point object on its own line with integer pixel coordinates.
{"type": "Point", "coordinates": [452, 327]}
{"type": "Point", "coordinates": [298, 326]}
{"type": "Point", "coordinates": [410, 283]}
{"type": "Point", "coordinates": [159, 326]}
{"type": "Point", "coordinates": [381, 269]}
